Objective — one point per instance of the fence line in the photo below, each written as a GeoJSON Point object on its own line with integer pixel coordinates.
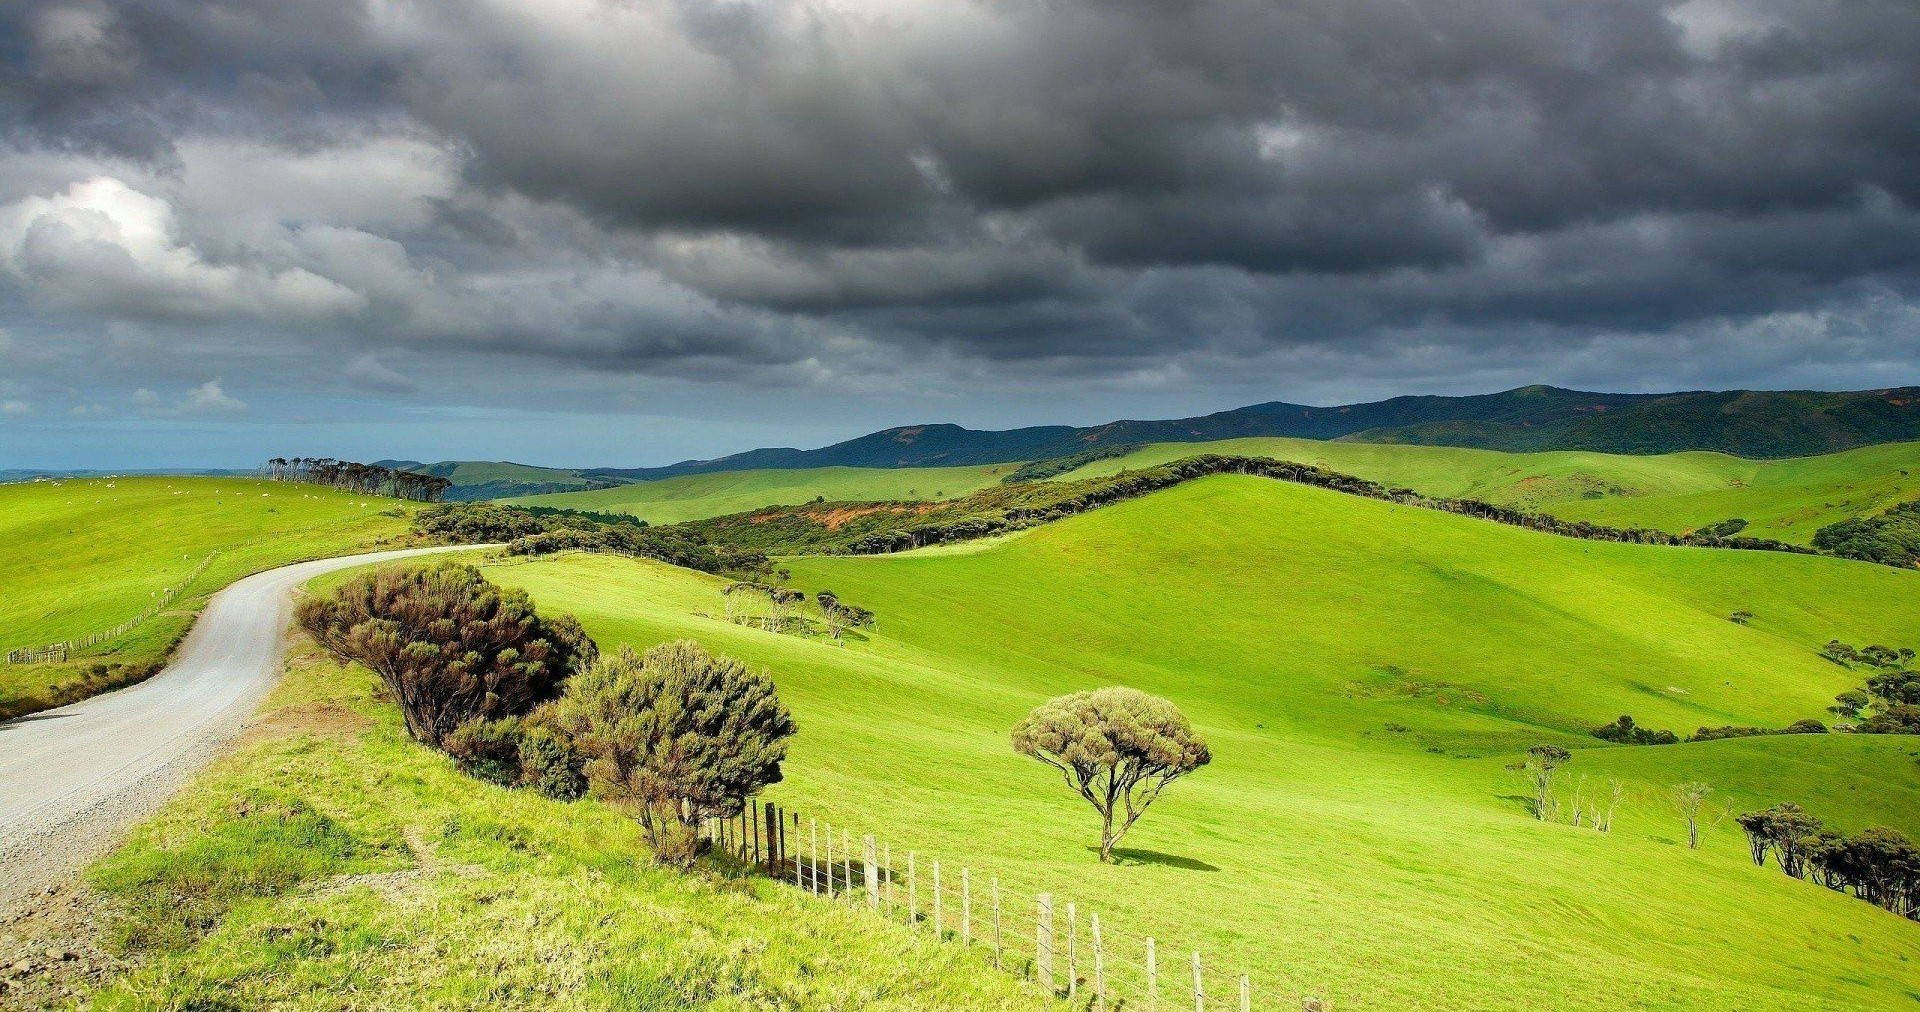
{"type": "Point", "coordinates": [1111, 970]}
{"type": "Point", "coordinates": [63, 650]}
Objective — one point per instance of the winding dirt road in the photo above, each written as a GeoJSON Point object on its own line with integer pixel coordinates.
{"type": "Point", "coordinates": [72, 779]}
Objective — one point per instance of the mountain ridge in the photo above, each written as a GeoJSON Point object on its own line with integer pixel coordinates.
{"type": "Point", "coordinates": [1748, 423]}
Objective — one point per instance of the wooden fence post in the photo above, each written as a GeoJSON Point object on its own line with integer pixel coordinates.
{"type": "Point", "coordinates": [813, 855]}
{"type": "Point", "coordinates": [913, 892]}
{"type": "Point", "coordinates": [939, 920]}
{"type": "Point", "coordinates": [1043, 940]}
{"type": "Point", "coordinates": [770, 826]}
{"type": "Point", "coordinates": [1099, 963]}
{"type": "Point", "coordinates": [1199, 985]}
{"type": "Point", "coordinates": [846, 863]}
{"type": "Point", "coordinates": [1246, 994]}
{"type": "Point", "coordinates": [1073, 972]}
{"type": "Point", "coordinates": [1153, 977]}
{"type": "Point", "coordinates": [886, 862]}
{"type": "Point", "coordinates": [966, 908]}
{"type": "Point", "coordinates": [996, 922]}
{"type": "Point", "coordinates": [873, 875]}
{"type": "Point", "coordinates": [829, 856]}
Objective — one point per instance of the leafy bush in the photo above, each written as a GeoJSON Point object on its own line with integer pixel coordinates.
{"type": "Point", "coordinates": [450, 646]}
{"type": "Point", "coordinates": [1738, 731]}
{"type": "Point", "coordinates": [1625, 732]}
{"type": "Point", "coordinates": [536, 531]}
{"type": "Point", "coordinates": [1040, 470]}
{"type": "Point", "coordinates": [1724, 529]}
{"type": "Point", "coordinates": [550, 764]}
{"type": "Point", "coordinates": [677, 736]}
{"type": "Point", "coordinates": [488, 749]}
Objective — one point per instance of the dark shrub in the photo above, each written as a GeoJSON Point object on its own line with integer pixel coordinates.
{"type": "Point", "coordinates": [1625, 732]}
{"type": "Point", "coordinates": [550, 764]}
{"type": "Point", "coordinates": [676, 736]}
{"type": "Point", "coordinates": [450, 646]}
{"type": "Point", "coordinates": [488, 749]}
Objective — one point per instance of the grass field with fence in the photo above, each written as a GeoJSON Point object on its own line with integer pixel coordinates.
{"type": "Point", "coordinates": [1364, 673]}
{"type": "Point", "coordinates": [109, 572]}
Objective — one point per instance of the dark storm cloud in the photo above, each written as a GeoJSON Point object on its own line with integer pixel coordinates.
{"type": "Point", "coordinates": [839, 193]}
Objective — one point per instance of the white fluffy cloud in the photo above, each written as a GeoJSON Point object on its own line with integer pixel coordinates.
{"type": "Point", "coordinates": [104, 246]}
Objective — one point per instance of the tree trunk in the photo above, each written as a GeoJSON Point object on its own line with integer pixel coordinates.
{"type": "Point", "coordinates": [1107, 839]}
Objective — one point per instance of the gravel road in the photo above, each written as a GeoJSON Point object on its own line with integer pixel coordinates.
{"type": "Point", "coordinates": [72, 779]}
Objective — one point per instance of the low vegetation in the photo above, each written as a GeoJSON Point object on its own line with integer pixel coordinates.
{"type": "Point", "coordinates": [1891, 537]}
{"type": "Point", "coordinates": [1625, 732]}
{"type": "Point", "coordinates": [1041, 470]}
{"type": "Point", "coordinates": [1889, 701]}
{"type": "Point", "coordinates": [546, 531]}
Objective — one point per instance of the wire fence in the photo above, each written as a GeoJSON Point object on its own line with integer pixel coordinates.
{"type": "Point", "coordinates": [65, 649]}
{"type": "Point", "coordinates": [1058, 945]}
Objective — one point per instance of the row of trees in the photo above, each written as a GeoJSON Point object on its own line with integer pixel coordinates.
{"type": "Point", "coordinates": [1889, 701]}
{"type": "Point", "coordinates": [775, 608]}
{"type": "Point", "coordinates": [674, 736]}
{"type": "Point", "coordinates": [982, 514]}
{"type": "Point", "coordinates": [1596, 810]}
{"type": "Point", "coordinates": [535, 531]}
{"type": "Point", "coordinates": [366, 479]}
{"type": "Point", "coordinates": [1879, 865]}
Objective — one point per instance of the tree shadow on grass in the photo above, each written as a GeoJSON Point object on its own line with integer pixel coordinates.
{"type": "Point", "coordinates": [1520, 801]}
{"type": "Point", "coordinates": [1128, 855]}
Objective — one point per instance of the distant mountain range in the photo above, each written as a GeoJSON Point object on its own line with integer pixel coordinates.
{"type": "Point", "coordinates": [1746, 423]}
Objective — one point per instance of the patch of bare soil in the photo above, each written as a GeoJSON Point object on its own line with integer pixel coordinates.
{"type": "Point", "coordinates": [50, 950]}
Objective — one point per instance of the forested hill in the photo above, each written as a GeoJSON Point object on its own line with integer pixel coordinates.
{"type": "Point", "coordinates": [1742, 422]}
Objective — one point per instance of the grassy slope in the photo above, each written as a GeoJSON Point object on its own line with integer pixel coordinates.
{"type": "Point", "coordinates": [83, 555]}
{"type": "Point", "coordinates": [1784, 499]}
{"type": "Point", "coordinates": [698, 496]}
{"type": "Point", "coordinates": [331, 863]}
{"type": "Point", "coordinates": [1323, 850]}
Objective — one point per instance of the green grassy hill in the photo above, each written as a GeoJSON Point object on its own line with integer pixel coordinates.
{"type": "Point", "coordinates": [82, 555]}
{"type": "Point", "coordinates": [698, 496]}
{"type": "Point", "coordinates": [1783, 499]}
{"type": "Point", "coordinates": [1365, 672]}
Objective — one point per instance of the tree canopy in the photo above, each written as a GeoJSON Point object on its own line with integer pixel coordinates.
{"type": "Point", "coordinates": [1118, 748]}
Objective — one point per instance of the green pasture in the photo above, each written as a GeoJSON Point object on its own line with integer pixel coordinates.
{"type": "Point", "coordinates": [698, 496]}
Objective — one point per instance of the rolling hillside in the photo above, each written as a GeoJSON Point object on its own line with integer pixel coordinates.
{"type": "Point", "coordinates": [698, 496]}
{"type": "Point", "coordinates": [86, 554]}
{"type": "Point", "coordinates": [1784, 499]}
{"type": "Point", "coordinates": [1365, 672]}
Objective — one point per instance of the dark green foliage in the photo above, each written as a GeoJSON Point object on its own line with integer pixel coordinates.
{"type": "Point", "coordinates": [1040, 470]}
{"type": "Point", "coordinates": [1626, 732]}
{"type": "Point", "coordinates": [1881, 865]}
{"type": "Point", "coordinates": [487, 749]}
{"type": "Point", "coordinates": [1118, 748]}
{"type": "Point", "coordinates": [1786, 831]}
{"type": "Point", "coordinates": [549, 763]}
{"type": "Point", "coordinates": [881, 527]}
{"type": "Point", "coordinates": [1737, 731]}
{"type": "Point", "coordinates": [367, 479]}
{"type": "Point", "coordinates": [1723, 529]}
{"type": "Point", "coordinates": [1891, 538]}
{"type": "Point", "coordinates": [450, 646]}
{"type": "Point", "coordinates": [541, 530]}
{"type": "Point", "coordinates": [1892, 689]}
{"type": "Point", "coordinates": [676, 736]}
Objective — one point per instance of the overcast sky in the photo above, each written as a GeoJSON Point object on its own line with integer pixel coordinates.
{"type": "Point", "coordinates": [629, 232]}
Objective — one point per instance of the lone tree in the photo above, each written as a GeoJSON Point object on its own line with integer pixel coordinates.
{"type": "Point", "coordinates": [1541, 762]}
{"type": "Point", "coordinates": [450, 646]}
{"type": "Point", "coordinates": [1690, 798]}
{"type": "Point", "coordinates": [1119, 748]}
{"type": "Point", "coordinates": [676, 736]}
